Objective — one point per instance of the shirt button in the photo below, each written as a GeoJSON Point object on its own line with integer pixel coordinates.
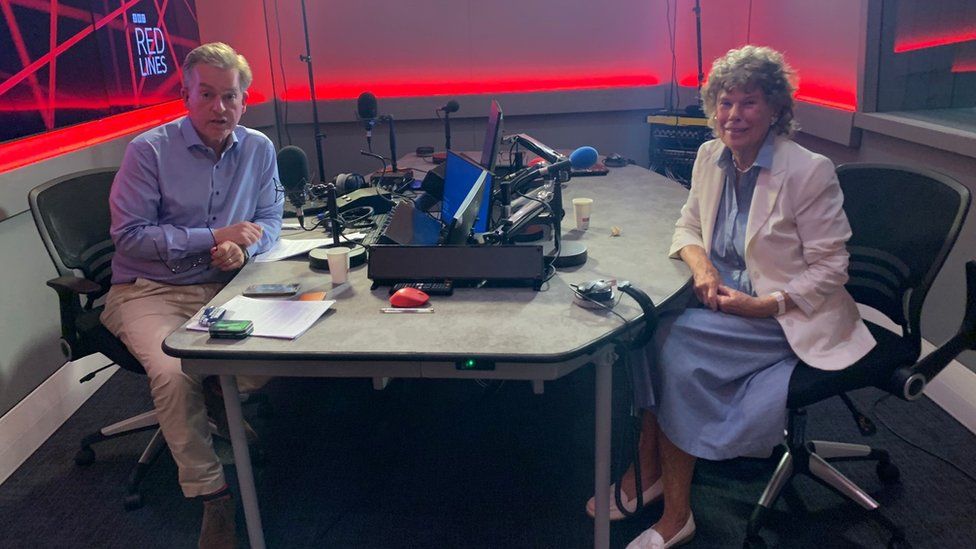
{"type": "Point", "coordinates": [214, 218]}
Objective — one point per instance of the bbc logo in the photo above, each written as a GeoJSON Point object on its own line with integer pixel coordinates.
{"type": "Point", "coordinates": [139, 18]}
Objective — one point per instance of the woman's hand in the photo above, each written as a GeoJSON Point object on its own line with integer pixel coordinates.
{"type": "Point", "coordinates": [227, 256]}
{"type": "Point", "coordinates": [734, 302]}
{"type": "Point", "coordinates": [705, 276]}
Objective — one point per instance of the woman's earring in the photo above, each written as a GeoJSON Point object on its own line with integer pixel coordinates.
{"type": "Point", "coordinates": [773, 122]}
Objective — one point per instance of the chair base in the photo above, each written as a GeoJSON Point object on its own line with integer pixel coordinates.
{"type": "Point", "coordinates": [812, 458]}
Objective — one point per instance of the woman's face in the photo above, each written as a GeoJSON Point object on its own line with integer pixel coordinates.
{"type": "Point", "coordinates": [742, 119]}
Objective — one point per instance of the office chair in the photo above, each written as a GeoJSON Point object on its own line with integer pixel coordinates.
{"type": "Point", "coordinates": [904, 223]}
{"type": "Point", "coordinates": [72, 217]}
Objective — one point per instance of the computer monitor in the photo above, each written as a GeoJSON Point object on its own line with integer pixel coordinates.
{"type": "Point", "coordinates": [493, 136]}
{"type": "Point", "coordinates": [460, 176]}
{"type": "Point", "coordinates": [468, 211]}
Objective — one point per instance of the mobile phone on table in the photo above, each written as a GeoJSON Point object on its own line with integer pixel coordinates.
{"type": "Point", "coordinates": [271, 290]}
{"type": "Point", "coordinates": [231, 329]}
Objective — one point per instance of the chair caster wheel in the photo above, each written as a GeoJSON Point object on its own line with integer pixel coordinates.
{"type": "Point", "coordinates": [888, 472]}
{"type": "Point", "coordinates": [132, 501]}
{"type": "Point", "coordinates": [85, 457]}
{"type": "Point", "coordinates": [754, 542]}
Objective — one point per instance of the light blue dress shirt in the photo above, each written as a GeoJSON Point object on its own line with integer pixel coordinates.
{"type": "Point", "coordinates": [172, 190]}
{"type": "Point", "coordinates": [729, 237]}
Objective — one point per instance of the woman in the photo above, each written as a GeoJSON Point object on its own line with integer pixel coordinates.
{"type": "Point", "coordinates": [764, 235]}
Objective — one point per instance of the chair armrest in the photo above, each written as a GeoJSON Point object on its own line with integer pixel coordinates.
{"type": "Point", "coordinates": [908, 382]}
{"type": "Point", "coordinates": [69, 289]}
{"type": "Point", "coordinates": [74, 284]}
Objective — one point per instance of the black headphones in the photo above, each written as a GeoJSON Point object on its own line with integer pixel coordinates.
{"type": "Point", "coordinates": [601, 291]}
{"type": "Point", "coordinates": [347, 182]}
{"type": "Point", "coordinates": [647, 307]}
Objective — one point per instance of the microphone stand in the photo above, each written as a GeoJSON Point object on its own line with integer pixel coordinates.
{"type": "Point", "coordinates": [319, 136]}
{"type": "Point", "coordinates": [447, 131]}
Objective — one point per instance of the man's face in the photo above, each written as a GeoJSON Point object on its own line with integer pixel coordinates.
{"type": "Point", "coordinates": [215, 103]}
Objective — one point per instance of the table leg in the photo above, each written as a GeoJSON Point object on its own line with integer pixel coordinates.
{"type": "Point", "coordinates": [242, 458]}
{"type": "Point", "coordinates": [604, 383]}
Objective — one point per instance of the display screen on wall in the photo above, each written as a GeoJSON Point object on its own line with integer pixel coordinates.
{"type": "Point", "coordinates": [74, 61]}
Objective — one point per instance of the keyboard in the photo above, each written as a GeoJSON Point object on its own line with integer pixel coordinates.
{"type": "Point", "coordinates": [380, 222]}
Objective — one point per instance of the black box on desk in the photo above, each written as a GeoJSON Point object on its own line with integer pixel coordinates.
{"type": "Point", "coordinates": [675, 138]}
{"type": "Point", "coordinates": [499, 265]}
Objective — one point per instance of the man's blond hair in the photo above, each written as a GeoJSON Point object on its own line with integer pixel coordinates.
{"type": "Point", "coordinates": [220, 55]}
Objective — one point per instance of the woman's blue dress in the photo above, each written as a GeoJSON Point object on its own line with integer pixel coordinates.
{"type": "Point", "coordinates": [717, 382]}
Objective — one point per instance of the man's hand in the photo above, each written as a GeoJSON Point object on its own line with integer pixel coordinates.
{"type": "Point", "coordinates": [737, 303]}
{"type": "Point", "coordinates": [227, 256]}
{"type": "Point", "coordinates": [244, 233]}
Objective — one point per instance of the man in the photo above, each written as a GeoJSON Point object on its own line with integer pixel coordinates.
{"type": "Point", "coordinates": [192, 201]}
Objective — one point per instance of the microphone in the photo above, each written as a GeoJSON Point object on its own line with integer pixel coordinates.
{"type": "Point", "coordinates": [366, 112]}
{"type": "Point", "coordinates": [451, 106]}
{"type": "Point", "coordinates": [293, 172]}
{"type": "Point", "coordinates": [580, 159]}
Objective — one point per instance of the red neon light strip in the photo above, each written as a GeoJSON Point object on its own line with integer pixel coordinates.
{"type": "Point", "coordinates": [934, 41]}
{"type": "Point", "coordinates": [448, 87]}
{"type": "Point", "coordinates": [47, 145]}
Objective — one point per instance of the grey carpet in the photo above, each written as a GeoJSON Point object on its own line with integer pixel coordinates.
{"type": "Point", "coordinates": [461, 464]}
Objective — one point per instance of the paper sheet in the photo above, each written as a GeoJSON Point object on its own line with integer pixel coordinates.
{"type": "Point", "coordinates": [284, 319]}
{"type": "Point", "coordinates": [287, 247]}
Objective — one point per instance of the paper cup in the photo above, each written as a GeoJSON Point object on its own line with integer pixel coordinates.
{"type": "Point", "coordinates": [338, 263]}
{"type": "Point", "coordinates": [582, 207]}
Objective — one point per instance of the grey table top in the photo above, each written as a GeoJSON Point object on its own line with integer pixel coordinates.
{"type": "Point", "coordinates": [514, 324]}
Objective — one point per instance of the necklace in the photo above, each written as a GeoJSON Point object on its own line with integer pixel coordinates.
{"type": "Point", "coordinates": [737, 168]}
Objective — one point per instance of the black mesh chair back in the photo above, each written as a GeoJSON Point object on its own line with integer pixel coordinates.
{"type": "Point", "coordinates": [73, 219]}
{"type": "Point", "coordinates": [904, 222]}
{"type": "Point", "coordinates": [72, 216]}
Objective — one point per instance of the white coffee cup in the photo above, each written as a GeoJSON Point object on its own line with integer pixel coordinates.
{"type": "Point", "coordinates": [338, 263]}
{"type": "Point", "coordinates": [582, 208]}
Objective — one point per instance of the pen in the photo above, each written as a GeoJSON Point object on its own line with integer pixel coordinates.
{"type": "Point", "coordinates": [406, 310]}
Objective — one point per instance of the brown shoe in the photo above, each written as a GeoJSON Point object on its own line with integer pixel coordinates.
{"type": "Point", "coordinates": [217, 530]}
{"type": "Point", "coordinates": [215, 409]}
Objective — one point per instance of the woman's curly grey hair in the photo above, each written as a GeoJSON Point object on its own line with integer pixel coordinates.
{"type": "Point", "coordinates": [220, 55]}
{"type": "Point", "coordinates": [748, 68]}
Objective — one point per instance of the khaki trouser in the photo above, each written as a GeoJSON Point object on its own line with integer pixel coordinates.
{"type": "Point", "coordinates": [142, 314]}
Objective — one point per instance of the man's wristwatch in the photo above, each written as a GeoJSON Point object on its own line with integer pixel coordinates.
{"type": "Point", "coordinates": [780, 298]}
{"type": "Point", "coordinates": [247, 255]}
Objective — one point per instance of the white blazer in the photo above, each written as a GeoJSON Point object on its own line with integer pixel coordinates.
{"type": "Point", "coordinates": [795, 242]}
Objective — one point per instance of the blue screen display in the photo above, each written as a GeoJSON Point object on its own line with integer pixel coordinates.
{"type": "Point", "coordinates": [459, 177]}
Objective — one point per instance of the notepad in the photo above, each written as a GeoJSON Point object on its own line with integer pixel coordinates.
{"type": "Point", "coordinates": [283, 319]}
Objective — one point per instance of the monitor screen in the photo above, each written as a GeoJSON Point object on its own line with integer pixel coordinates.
{"type": "Point", "coordinates": [460, 176]}
{"type": "Point", "coordinates": [468, 213]}
{"type": "Point", "coordinates": [493, 136]}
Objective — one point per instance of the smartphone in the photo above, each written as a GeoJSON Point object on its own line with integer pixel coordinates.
{"type": "Point", "coordinates": [231, 329]}
{"type": "Point", "coordinates": [271, 290]}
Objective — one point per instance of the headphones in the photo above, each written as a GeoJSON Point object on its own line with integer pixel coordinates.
{"type": "Point", "coordinates": [347, 182]}
{"type": "Point", "coordinates": [601, 291]}
{"type": "Point", "coordinates": [647, 307]}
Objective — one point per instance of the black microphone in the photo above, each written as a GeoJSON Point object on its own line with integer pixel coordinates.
{"type": "Point", "coordinates": [451, 106]}
{"type": "Point", "coordinates": [293, 172]}
{"type": "Point", "coordinates": [366, 112]}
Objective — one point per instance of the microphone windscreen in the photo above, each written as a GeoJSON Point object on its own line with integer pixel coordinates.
{"type": "Point", "coordinates": [583, 157]}
{"type": "Point", "coordinates": [366, 106]}
{"type": "Point", "coordinates": [452, 106]}
{"type": "Point", "coordinates": [292, 168]}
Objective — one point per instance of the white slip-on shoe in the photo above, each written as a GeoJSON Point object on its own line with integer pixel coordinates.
{"type": "Point", "coordinates": [651, 539]}
{"type": "Point", "coordinates": [651, 494]}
